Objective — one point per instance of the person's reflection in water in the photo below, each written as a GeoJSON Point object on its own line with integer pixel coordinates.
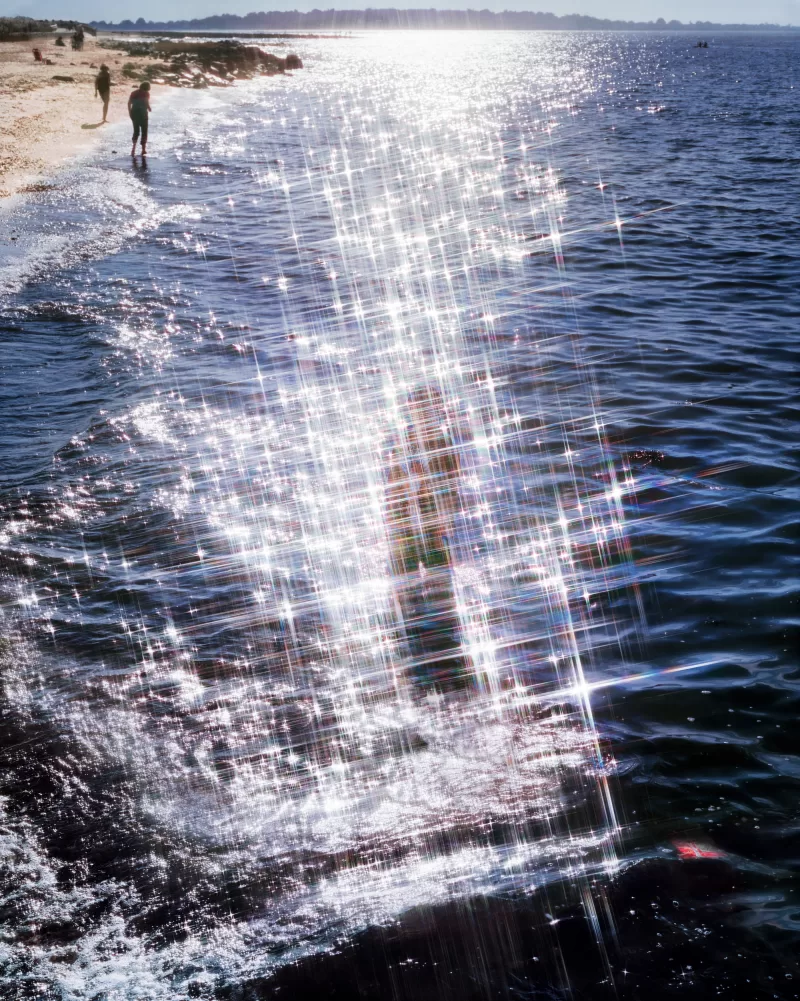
{"type": "Point", "coordinates": [422, 502]}
{"type": "Point", "coordinates": [140, 167]}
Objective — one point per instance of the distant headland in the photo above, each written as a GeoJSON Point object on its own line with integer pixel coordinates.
{"type": "Point", "coordinates": [316, 20]}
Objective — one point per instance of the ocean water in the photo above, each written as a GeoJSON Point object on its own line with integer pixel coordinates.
{"type": "Point", "coordinates": [251, 748]}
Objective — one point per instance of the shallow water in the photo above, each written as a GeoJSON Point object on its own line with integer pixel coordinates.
{"type": "Point", "coordinates": [229, 766]}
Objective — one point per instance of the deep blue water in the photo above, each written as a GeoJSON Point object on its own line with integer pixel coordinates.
{"type": "Point", "coordinates": [228, 769]}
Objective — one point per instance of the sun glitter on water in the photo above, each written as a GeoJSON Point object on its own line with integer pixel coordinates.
{"type": "Point", "coordinates": [428, 562]}
{"type": "Point", "coordinates": [363, 688]}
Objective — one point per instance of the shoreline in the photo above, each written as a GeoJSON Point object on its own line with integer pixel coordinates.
{"type": "Point", "coordinates": [50, 113]}
{"type": "Point", "coordinates": [48, 121]}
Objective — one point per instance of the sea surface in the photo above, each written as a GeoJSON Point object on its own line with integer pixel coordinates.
{"type": "Point", "coordinates": [242, 755]}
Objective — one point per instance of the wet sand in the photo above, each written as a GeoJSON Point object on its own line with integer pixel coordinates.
{"type": "Point", "coordinates": [46, 121]}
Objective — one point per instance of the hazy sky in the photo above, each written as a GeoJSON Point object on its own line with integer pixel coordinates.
{"type": "Point", "coordinates": [746, 11]}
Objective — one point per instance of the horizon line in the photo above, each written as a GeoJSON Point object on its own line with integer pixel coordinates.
{"type": "Point", "coordinates": [404, 17]}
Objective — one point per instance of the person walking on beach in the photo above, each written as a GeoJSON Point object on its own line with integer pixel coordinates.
{"type": "Point", "coordinates": [139, 109]}
{"type": "Point", "coordinates": [102, 88]}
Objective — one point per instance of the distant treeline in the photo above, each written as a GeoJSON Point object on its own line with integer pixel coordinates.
{"type": "Point", "coordinates": [392, 18]}
{"type": "Point", "coordinates": [23, 27]}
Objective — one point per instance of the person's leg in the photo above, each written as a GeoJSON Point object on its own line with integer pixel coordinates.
{"type": "Point", "coordinates": [135, 137]}
{"type": "Point", "coordinates": [144, 136]}
{"type": "Point", "coordinates": [106, 98]}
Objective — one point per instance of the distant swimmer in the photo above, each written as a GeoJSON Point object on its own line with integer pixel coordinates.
{"type": "Point", "coordinates": [102, 88]}
{"type": "Point", "coordinates": [139, 110]}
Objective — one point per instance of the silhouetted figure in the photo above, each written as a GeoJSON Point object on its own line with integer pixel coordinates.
{"type": "Point", "coordinates": [37, 55]}
{"type": "Point", "coordinates": [139, 110]}
{"type": "Point", "coordinates": [77, 39]}
{"type": "Point", "coordinates": [60, 42]}
{"type": "Point", "coordinates": [102, 88]}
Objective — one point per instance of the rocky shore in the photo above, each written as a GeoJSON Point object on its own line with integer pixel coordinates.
{"type": "Point", "coordinates": [186, 63]}
{"type": "Point", "coordinates": [49, 108]}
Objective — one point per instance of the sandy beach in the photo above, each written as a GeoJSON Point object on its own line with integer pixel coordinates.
{"type": "Point", "coordinates": [47, 120]}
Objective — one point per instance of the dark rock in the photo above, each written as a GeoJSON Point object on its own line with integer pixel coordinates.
{"type": "Point", "coordinates": [294, 62]}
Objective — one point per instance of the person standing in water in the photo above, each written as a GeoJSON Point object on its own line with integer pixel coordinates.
{"type": "Point", "coordinates": [139, 110]}
{"type": "Point", "coordinates": [102, 88]}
